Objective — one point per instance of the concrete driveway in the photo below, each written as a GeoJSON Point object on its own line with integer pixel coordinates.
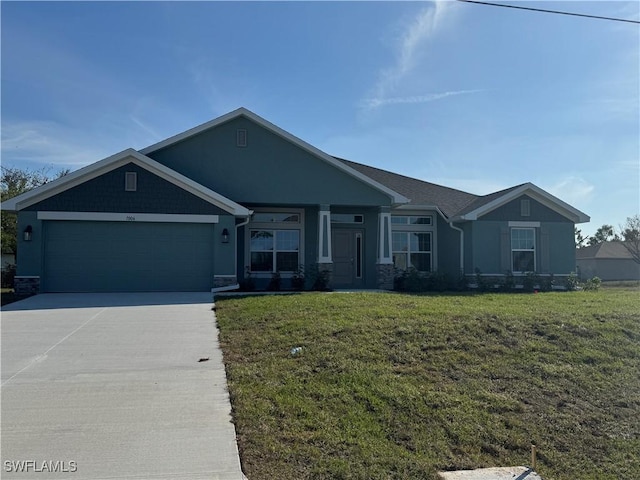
{"type": "Point", "coordinates": [110, 386]}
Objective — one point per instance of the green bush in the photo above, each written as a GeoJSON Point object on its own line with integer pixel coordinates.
{"type": "Point", "coordinates": [8, 275]}
{"type": "Point", "coordinates": [592, 284]}
{"type": "Point", "coordinates": [572, 282]}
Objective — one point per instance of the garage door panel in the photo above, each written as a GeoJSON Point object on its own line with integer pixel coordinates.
{"type": "Point", "coordinates": [122, 256]}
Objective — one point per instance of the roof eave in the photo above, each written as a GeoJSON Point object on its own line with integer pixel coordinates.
{"type": "Point", "coordinates": [110, 163]}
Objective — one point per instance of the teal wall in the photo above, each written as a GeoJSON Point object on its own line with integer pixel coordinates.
{"type": "Point", "coordinates": [448, 248]}
{"type": "Point", "coordinates": [269, 171]}
{"type": "Point", "coordinates": [106, 194]}
{"type": "Point", "coordinates": [511, 212]}
{"type": "Point", "coordinates": [555, 247]}
{"type": "Point", "coordinates": [29, 255]}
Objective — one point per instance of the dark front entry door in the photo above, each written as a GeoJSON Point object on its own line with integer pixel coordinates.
{"type": "Point", "coordinates": [347, 250]}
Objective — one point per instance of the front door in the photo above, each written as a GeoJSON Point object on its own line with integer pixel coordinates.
{"type": "Point", "coordinates": [347, 258]}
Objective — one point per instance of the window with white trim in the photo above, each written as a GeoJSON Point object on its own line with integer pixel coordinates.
{"type": "Point", "coordinates": [411, 220]}
{"type": "Point", "coordinates": [274, 250]}
{"type": "Point", "coordinates": [275, 241]}
{"type": "Point", "coordinates": [346, 218]}
{"type": "Point", "coordinates": [523, 250]}
{"type": "Point", "coordinates": [412, 250]}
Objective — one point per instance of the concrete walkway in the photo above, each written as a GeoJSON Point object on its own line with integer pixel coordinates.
{"type": "Point", "coordinates": [110, 386]}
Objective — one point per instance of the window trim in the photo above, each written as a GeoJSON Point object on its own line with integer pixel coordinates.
{"type": "Point", "coordinates": [298, 226]}
{"type": "Point", "coordinates": [408, 252]}
{"type": "Point", "coordinates": [512, 250]}
{"type": "Point", "coordinates": [408, 223]}
{"type": "Point", "coordinates": [354, 218]}
{"type": "Point", "coordinates": [274, 251]}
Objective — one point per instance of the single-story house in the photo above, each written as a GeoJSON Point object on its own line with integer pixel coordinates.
{"type": "Point", "coordinates": [239, 195]}
{"type": "Point", "coordinates": [607, 261]}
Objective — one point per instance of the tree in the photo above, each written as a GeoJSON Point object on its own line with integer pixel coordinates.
{"type": "Point", "coordinates": [631, 236]}
{"type": "Point", "coordinates": [605, 233]}
{"type": "Point", "coordinates": [580, 239]}
{"type": "Point", "coordinates": [13, 182]}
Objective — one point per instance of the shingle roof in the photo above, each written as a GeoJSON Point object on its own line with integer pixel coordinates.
{"type": "Point", "coordinates": [604, 250]}
{"type": "Point", "coordinates": [449, 200]}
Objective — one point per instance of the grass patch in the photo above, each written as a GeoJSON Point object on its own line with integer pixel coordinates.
{"type": "Point", "coordinates": [402, 386]}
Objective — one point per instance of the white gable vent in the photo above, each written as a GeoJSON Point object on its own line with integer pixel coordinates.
{"type": "Point", "coordinates": [130, 181]}
{"type": "Point", "coordinates": [525, 208]}
{"type": "Point", "coordinates": [241, 137]}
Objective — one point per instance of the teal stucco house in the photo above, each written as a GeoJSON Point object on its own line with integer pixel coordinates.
{"type": "Point", "coordinates": [200, 210]}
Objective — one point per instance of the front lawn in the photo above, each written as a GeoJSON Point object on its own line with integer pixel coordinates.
{"type": "Point", "coordinates": [401, 386]}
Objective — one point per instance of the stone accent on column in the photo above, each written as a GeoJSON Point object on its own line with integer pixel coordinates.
{"type": "Point", "coordinates": [224, 281]}
{"type": "Point", "coordinates": [26, 285]}
{"type": "Point", "coordinates": [385, 275]}
{"type": "Point", "coordinates": [325, 270]}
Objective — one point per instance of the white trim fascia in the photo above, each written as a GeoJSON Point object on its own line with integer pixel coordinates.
{"type": "Point", "coordinates": [524, 224]}
{"type": "Point", "coordinates": [545, 198]}
{"type": "Point", "coordinates": [395, 196]}
{"type": "Point", "coordinates": [128, 217]}
{"type": "Point", "coordinates": [111, 163]}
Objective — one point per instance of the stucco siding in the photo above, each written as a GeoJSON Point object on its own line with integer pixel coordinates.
{"type": "Point", "coordinates": [269, 170]}
{"type": "Point", "coordinates": [106, 193]}
{"type": "Point", "coordinates": [511, 212]}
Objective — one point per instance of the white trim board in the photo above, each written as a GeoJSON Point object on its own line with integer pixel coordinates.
{"type": "Point", "coordinates": [524, 224]}
{"type": "Point", "coordinates": [128, 217]}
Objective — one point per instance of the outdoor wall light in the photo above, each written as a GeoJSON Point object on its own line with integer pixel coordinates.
{"type": "Point", "coordinates": [225, 236]}
{"type": "Point", "coordinates": [27, 233]}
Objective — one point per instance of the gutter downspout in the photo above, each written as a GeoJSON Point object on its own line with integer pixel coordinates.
{"type": "Point", "coordinates": [461, 246]}
{"type": "Point", "coordinates": [235, 265]}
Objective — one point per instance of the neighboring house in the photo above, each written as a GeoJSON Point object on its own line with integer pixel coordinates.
{"type": "Point", "coordinates": [238, 194]}
{"type": "Point", "coordinates": [8, 259]}
{"type": "Point", "coordinates": [608, 261]}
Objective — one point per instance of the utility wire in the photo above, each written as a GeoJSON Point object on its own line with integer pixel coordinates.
{"type": "Point", "coordinates": [551, 11]}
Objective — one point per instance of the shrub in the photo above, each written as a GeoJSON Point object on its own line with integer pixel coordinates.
{"type": "Point", "coordinates": [275, 283]}
{"type": "Point", "coordinates": [592, 284]}
{"type": "Point", "coordinates": [571, 283]}
{"type": "Point", "coordinates": [297, 280]}
{"type": "Point", "coordinates": [8, 275]}
{"type": "Point", "coordinates": [248, 283]}
{"type": "Point", "coordinates": [320, 279]}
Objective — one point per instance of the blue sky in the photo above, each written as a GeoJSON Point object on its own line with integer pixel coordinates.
{"type": "Point", "coordinates": [473, 97]}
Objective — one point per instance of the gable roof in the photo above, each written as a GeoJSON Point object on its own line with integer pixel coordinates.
{"type": "Point", "coordinates": [111, 163]}
{"type": "Point", "coordinates": [421, 194]}
{"type": "Point", "coordinates": [396, 197]}
{"type": "Point", "coordinates": [458, 205]}
{"type": "Point", "coordinates": [495, 200]}
{"type": "Point", "coordinates": [608, 250]}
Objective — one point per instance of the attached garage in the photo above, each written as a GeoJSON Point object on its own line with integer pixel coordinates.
{"type": "Point", "coordinates": [81, 256]}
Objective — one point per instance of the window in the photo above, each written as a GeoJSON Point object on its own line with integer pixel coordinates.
{"type": "Point", "coordinates": [275, 217]}
{"type": "Point", "coordinates": [274, 250]}
{"type": "Point", "coordinates": [410, 220]}
{"type": "Point", "coordinates": [130, 181]}
{"type": "Point", "coordinates": [346, 218]}
{"type": "Point", "coordinates": [523, 250]}
{"type": "Point", "coordinates": [412, 249]}
{"type": "Point", "coordinates": [525, 208]}
{"type": "Point", "coordinates": [241, 137]}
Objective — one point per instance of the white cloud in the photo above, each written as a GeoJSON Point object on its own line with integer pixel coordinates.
{"type": "Point", "coordinates": [574, 190]}
{"type": "Point", "coordinates": [48, 143]}
{"type": "Point", "coordinates": [379, 102]}
{"type": "Point", "coordinates": [416, 34]}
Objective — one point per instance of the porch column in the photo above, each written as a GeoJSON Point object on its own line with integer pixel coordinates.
{"type": "Point", "coordinates": [324, 235]}
{"type": "Point", "coordinates": [325, 259]}
{"type": "Point", "coordinates": [384, 267]}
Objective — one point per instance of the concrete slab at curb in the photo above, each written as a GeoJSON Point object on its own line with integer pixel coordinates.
{"type": "Point", "coordinates": [496, 473]}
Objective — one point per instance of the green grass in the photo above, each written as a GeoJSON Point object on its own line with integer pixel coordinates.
{"type": "Point", "coordinates": [401, 386]}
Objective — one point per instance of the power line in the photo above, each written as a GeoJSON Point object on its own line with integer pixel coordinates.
{"type": "Point", "coordinates": [551, 11]}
